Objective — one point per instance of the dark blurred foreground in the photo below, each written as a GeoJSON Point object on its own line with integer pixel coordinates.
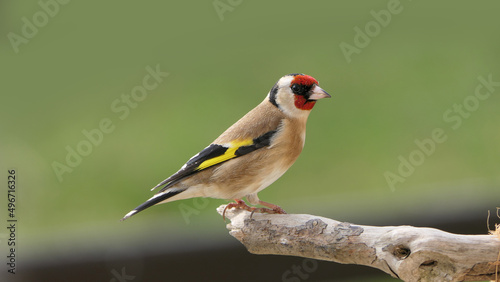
{"type": "Point", "coordinates": [225, 260]}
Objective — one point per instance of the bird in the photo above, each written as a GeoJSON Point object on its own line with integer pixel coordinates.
{"type": "Point", "coordinates": [251, 154]}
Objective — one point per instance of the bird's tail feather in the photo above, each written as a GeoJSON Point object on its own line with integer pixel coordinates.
{"type": "Point", "coordinates": [157, 198]}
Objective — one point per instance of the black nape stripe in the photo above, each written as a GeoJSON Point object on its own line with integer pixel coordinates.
{"type": "Point", "coordinates": [272, 95]}
{"type": "Point", "coordinates": [294, 74]}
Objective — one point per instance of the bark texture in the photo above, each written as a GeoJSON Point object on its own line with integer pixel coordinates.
{"type": "Point", "coordinates": [406, 252]}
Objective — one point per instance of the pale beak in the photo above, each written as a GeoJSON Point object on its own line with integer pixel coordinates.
{"type": "Point", "coordinates": [318, 93]}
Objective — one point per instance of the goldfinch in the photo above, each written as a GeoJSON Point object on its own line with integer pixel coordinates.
{"type": "Point", "coordinates": [251, 154]}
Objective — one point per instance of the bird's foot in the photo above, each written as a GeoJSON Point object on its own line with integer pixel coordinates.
{"type": "Point", "coordinates": [240, 204]}
{"type": "Point", "coordinates": [271, 209]}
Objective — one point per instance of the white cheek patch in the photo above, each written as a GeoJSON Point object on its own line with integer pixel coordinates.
{"type": "Point", "coordinates": [286, 100]}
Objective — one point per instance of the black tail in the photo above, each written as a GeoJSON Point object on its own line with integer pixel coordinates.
{"type": "Point", "coordinates": [157, 198]}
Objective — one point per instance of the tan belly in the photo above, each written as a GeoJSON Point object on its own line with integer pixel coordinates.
{"type": "Point", "coordinates": [253, 172]}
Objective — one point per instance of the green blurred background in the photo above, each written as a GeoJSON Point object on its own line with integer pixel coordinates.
{"type": "Point", "coordinates": [394, 91]}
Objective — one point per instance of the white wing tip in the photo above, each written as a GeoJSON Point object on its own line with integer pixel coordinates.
{"type": "Point", "coordinates": [131, 213]}
{"type": "Point", "coordinates": [160, 184]}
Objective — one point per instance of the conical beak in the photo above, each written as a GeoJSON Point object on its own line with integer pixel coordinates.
{"type": "Point", "coordinates": [318, 93]}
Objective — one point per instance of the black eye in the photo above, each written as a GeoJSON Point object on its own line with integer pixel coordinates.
{"type": "Point", "coordinates": [300, 89]}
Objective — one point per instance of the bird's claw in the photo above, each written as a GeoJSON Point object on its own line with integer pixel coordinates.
{"type": "Point", "coordinates": [240, 204]}
{"type": "Point", "coordinates": [275, 210]}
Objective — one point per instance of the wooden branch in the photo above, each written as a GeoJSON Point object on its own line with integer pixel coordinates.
{"type": "Point", "coordinates": [406, 252]}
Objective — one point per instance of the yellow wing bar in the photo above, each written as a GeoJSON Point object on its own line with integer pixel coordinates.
{"type": "Point", "coordinates": [215, 154]}
{"type": "Point", "coordinates": [229, 154]}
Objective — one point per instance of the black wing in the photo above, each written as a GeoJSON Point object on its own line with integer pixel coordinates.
{"type": "Point", "coordinates": [216, 154]}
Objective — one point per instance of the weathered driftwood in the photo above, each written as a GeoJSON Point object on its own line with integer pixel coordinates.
{"type": "Point", "coordinates": [406, 252]}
